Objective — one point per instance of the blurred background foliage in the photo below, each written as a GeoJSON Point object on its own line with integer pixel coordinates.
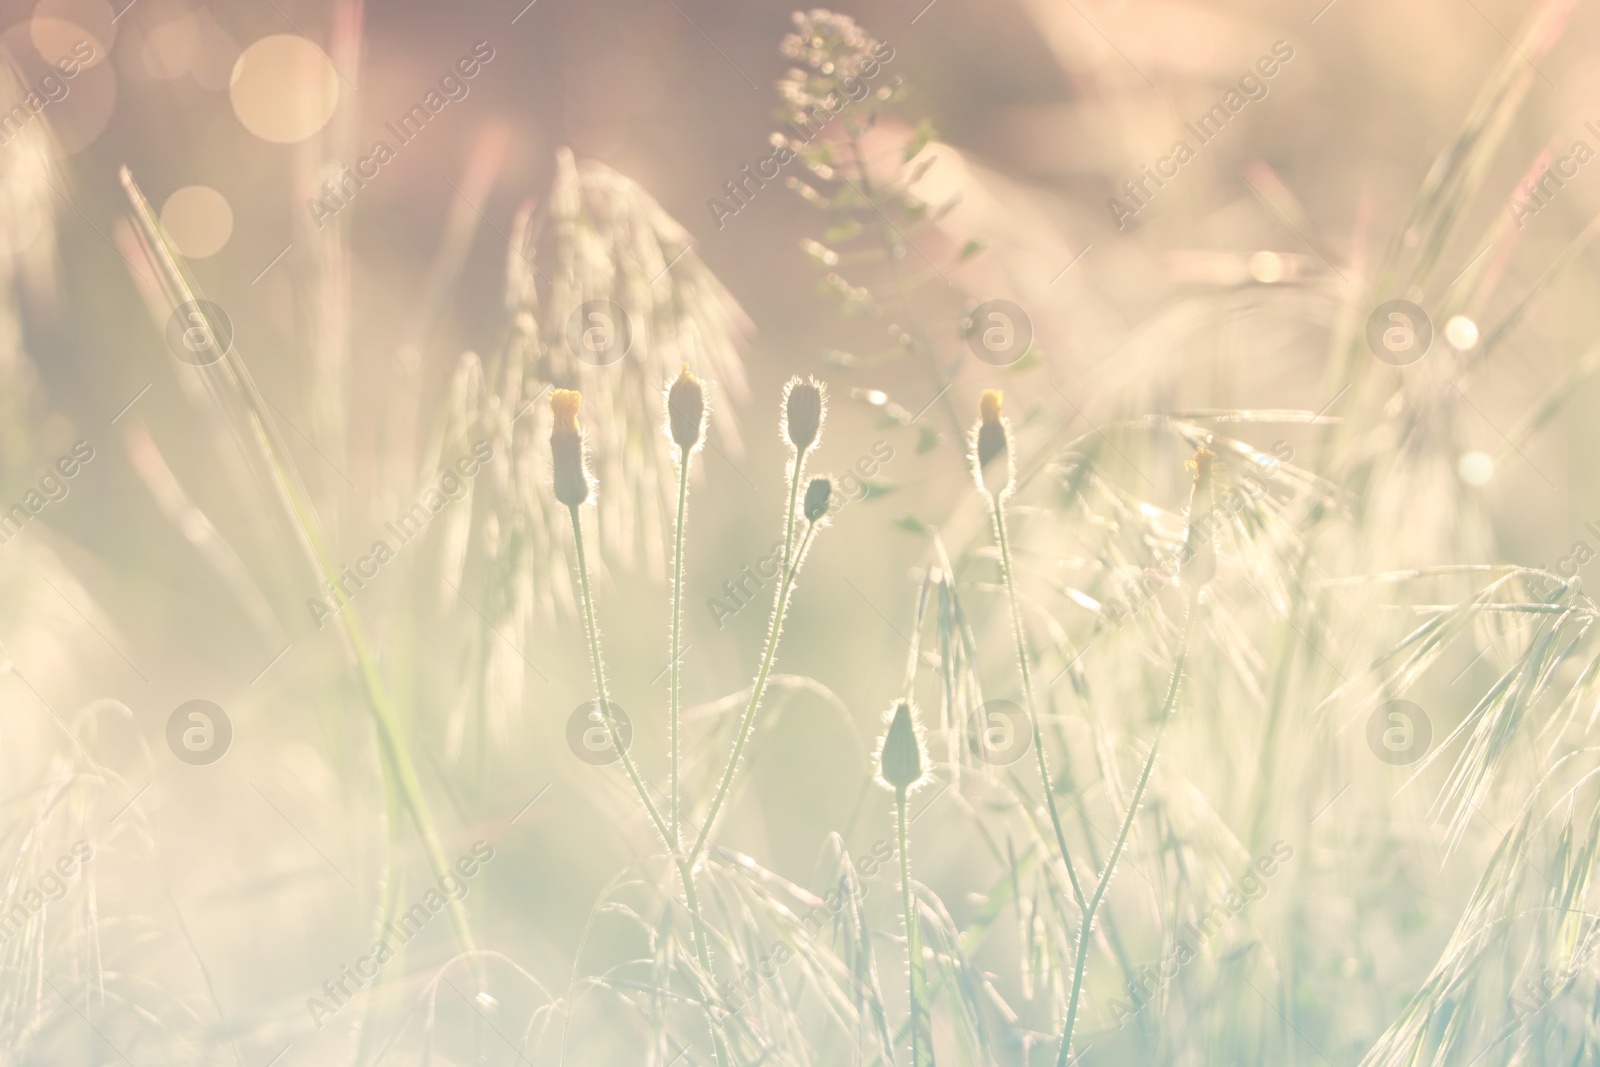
{"type": "Point", "coordinates": [430, 313]}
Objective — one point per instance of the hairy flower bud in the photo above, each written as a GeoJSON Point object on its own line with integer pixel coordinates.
{"type": "Point", "coordinates": [570, 466]}
{"type": "Point", "coordinates": [991, 443]}
{"type": "Point", "coordinates": [900, 757]}
{"type": "Point", "coordinates": [686, 410]}
{"type": "Point", "coordinates": [804, 405]}
{"type": "Point", "coordinates": [817, 495]}
{"type": "Point", "coordinates": [1198, 562]}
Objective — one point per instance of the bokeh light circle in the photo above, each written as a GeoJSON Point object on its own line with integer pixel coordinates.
{"type": "Point", "coordinates": [198, 219]}
{"type": "Point", "coordinates": [59, 26]}
{"type": "Point", "coordinates": [283, 88]}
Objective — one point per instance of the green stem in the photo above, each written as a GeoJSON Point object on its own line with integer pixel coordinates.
{"type": "Point", "coordinates": [396, 763]}
{"type": "Point", "coordinates": [788, 516]}
{"type": "Point", "coordinates": [779, 610]}
{"type": "Point", "coordinates": [998, 512]}
{"type": "Point", "coordinates": [1122, 835]}
{"type": "Point", "coordinates": [697, 934]}
{"type": "Point", "coordinates": [698, 939]}
{"type": "Point", "coordinates": [600, 680]}
{"type": "Point", "coordinates": [918, 980]}
{"type": "Point", "coordinates": [677, 631]}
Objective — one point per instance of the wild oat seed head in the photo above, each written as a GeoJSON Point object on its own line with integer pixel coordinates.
{"type": "Point", "coordinates": [686, 411]}
{"type": "Point", "coordinates": [805, 404]}
{"type": "Point", "coordinates": [569, 465]}
{"type": "Point", "coordinates": [901, 758]}
{"type": "Point", "coordinates": [817, 494]}
{"type": "Point", "coordinates": [991, 442]}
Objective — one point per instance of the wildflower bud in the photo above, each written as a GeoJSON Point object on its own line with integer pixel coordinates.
{"type": "Point", "coordinates": [817, 494]}
{"type": "Point", "coordinates": [900, 757]}
{"type": "Point", "coordinates": [991, 442]}
{"type": "Point", "coordinates": [566, 448]}
{"type": "Point", "coordinates": [803, 408]}
{"type": "Point", "coordinates": [1198, 563]}
{"type": "Point", "coordinates": [686, 410]}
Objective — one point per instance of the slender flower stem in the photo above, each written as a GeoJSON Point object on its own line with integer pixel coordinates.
{"type": "Point", "coordinates": [998, 513]}
{"type": "Point", "coordinates": [788, 516]}
{"type": "Point", "coordinates": [918, 980]}
{"type": "Point", "coordinates": [774, 631]}
{"type": "Point", "coordinates": [1122, 835]}
{"type": "Point", "coordinates": [677, 632]}
{"type": "Point", "coordinates": [600, 680]}
{"type": "Point", "coordinates": [697, 934]}
{"type": "Point", "coordinates": [697, 937]}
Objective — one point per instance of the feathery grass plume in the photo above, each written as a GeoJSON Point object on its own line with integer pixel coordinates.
{"type": "Point", "coordinates": [805, 404]}
{"type": "Point", "coordinates": [599, 236]}
{"type": "Point", "coordinates": [993, 467]}
{"type": "Point", "coordinates": [568, 463]}
{"type": "Point", "coordinates": [902, 767]}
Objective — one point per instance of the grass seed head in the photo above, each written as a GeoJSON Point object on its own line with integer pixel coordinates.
{"type": "Point", "coordinates": [571, 467]}
{"type": "Point", "coordinates": [991, 444]}
{"type": "Point", "coordinates": [817, 495]}
{"type": "Point", "coordinates": [686, 411]}
{"type": "Point", "coordinates": [804, 406]}
{"type": "Point", "coordinates": [901, 759]}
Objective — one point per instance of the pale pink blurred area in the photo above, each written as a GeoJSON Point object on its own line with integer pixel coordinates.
{"type": "Point", "coordinates": [403, 212]}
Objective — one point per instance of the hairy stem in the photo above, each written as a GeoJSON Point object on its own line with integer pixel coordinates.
{"type": "Point", "coordinates": [919, 982]}
{"type": "Point", "coordinates": [1122, 835]}
{"type": "Point", "coordinates": [998, 513]}
{"type": "Point", "coordinates": [600, 681]}
{"type": "Point", "coordinates": [774, 632]}
{"type": "Point", "coordinates": [697, 937]}
{"type": "Point", "coordinates": [677, 633]}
